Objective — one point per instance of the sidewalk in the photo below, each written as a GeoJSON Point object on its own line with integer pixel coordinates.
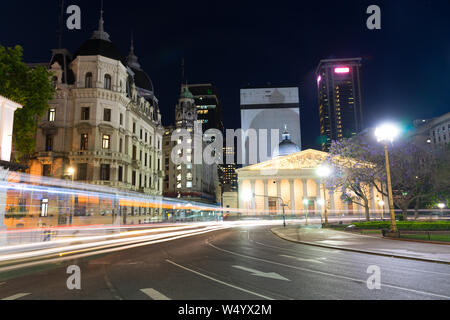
{"type": "Point", "coordinates": [365, 244]}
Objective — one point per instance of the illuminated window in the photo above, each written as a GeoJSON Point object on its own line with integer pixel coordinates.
{"type": "Point", "coordinates": [51, 114]}
{"type": "Point", "coordinates": [84, 142]}
{"type": "Point", "coordinates": [189, 184]}
{"type": "Point", "coordinates": [44, 208]}
{"type": "Point", "coordinates": [106, 141]}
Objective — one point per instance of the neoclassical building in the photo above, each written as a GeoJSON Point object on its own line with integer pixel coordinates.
{"type": "Point", "coordinates": [292, 176]}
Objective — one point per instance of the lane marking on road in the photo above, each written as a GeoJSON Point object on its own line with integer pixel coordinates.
{"type": "Point", "coordinates": [301, 259]}
{"type": "Point", "coordinates": [17, 296]}
{"type": "Point", "coordinates": [342, 259]}
{"type": "Point", "coordinates": [219, 281]}
{"type": "Point", "coordinates": [271, 275]}
{"type": "Point", "coordinates": [155, 295]}
{"type": "Point", "coordinates": [328, 274]}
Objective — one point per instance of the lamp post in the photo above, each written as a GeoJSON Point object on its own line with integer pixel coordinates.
{"type": "Point", "coordinates": [323, 172]}
{"type": "Point", "coordinates": [387, 133]}
{"type": "Point", "coordinates": [71, 172]}
{"type": "Point", "coordinates": [247, 195]}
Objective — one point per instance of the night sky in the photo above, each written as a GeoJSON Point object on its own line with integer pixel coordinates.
{"type": "Point", "coordinates": [406, 66]}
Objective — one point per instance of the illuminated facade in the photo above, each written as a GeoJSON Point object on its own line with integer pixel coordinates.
{"type": "Point", "coordinates": [103, 126]}
{"type": "Point", "coordinates": [340, 105]}
{"type": "Point", "coordinates": [190, 180]}
{"type": "Point", "coordinates": [294, 179]}
{"type": "Point", "coordinates": [209, 108]}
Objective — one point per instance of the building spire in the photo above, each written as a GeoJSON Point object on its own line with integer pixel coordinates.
{"type": "Point", "coordinates": [100, 33]}
{"type": "Point", "coordinates": [132, 59]}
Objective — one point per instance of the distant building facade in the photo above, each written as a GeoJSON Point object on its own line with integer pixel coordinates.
{"type": "Point", "coordinates": [187, 181]}
{"type": "Point", "coordinates": [434, 132]}
{"type": "Point", "coordinates": [268, 109]}
{"type": "Point", "coordinates": [340, 102]}
{"type": "Point", "coordinates": [209, 108]}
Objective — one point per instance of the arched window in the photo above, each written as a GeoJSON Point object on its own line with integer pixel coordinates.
{"type": "Point", "coordinates": [88, 80]}
{"type": "Point", "coordinates": [107, 82]}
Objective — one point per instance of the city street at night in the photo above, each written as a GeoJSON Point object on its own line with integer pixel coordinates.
{"type": "Point", "coordinates": [242, 263]}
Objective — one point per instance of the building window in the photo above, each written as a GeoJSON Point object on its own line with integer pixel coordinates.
{"type": "Point", "coordinates": [44, 208]}
{"type": "Point", "coordinates": [134, 127]}
{"type": "Point", "coordinates": [140, 155]}
{"type": "Point", "coordinates": [107, 115]}
{"type": "Point", "coordinates": [120, 145]}
{"type": "Point", "coordinates": [49, 143]}
{"type": "Point", "coordinates": [134, 152]}
{"type": "Point", "coordinates": [46, 170]}
{"type": "Point", "coordinates": [82, 172]}
{"type": "Point", "coordinates": [121, 119]}
{"type": "Point", "coordinates": [51, 114]}
{"type": "Point", "coordinates": [146, 159]}
{"type": "Point", "coordinates": [107, 82]}
{"type": "Point", "coordinates": [104, 172]}
{"type": "Point", "coordinates": [84, 142]}
{"type": "Point", "coordinates": [120, 177]}
{"type": "Point", "coordinates": [88, 80]}
{"type": "Point", "coordinates": [106, 144]}
{"type": "Point", "coordinates": [133, 178]}
{"type": "Point", "coordinates": [85, 113]}
{"type": "Point", "coordinates": [146, 136]}
{"type": "Point", "coordinates": [141, 134]}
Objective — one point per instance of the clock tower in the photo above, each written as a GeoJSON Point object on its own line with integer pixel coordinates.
{"type": "Point", "coordinates": [185, 111]}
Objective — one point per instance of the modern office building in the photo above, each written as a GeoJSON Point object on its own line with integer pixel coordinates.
{"type": "Point", "coordinates": [209, 108]}
{"type": "Point", "coordinates": [340, 103]}
{"type": "Point", "coordinates": [264, 110]}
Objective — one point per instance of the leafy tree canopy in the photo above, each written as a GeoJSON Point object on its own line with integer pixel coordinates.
{"type": "Point", "coordinates": [30, 87]}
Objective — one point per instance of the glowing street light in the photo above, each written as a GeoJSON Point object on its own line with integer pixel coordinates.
{"type": "Point", "coordinates": [441, 206]}
{"type": "Point", "coordinates": [387, 133]}
{"type": "Point", "coordinates": [381, 203]}
{"type": "Point", "coordinates": [323, 172]}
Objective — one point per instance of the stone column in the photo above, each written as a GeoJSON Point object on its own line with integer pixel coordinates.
{"type": "Point", "coordinates": [240, 190]}
{"type": "Point", "coordinates": [372, 201]}
{"type": "Point", "coordinates": [319, 195]}
{"type": "Point", "coordinates": [292, 186]}
{"type": "Point", "coordinates": [266, 196]}
{"type": "Point", "coordinates": [253, 201]}
{"type": "Point", "coordinates": [279, 207]}
{"type": "Point", "coordinates": [305, 192]}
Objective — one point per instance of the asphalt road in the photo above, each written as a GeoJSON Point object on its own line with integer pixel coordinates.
{"type": "Point", "coordinates": [247, 263]}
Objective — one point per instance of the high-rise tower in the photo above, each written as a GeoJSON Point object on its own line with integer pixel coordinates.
{"type": "Point", "coordinates": [340, 107]}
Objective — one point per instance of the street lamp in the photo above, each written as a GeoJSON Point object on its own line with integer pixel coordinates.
{"type": "Point", "coordinates": [323, 172]}
{"type": "Point", "coordinates": [441, 206]}
{"type": "Point", "coordinates": [387, 133]}
{"type": "Point", "coordinates": [71, 172]}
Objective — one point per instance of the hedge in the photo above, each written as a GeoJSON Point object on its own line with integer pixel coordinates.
{"type": "Point", "coordinates": [405, 225]}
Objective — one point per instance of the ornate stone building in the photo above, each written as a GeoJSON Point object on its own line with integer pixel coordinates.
{"type": "Point", "coordinates": [104, 124]}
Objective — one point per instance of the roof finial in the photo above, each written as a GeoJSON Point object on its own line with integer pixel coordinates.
{"type": "Point", "coordinates": [100, 33]}
{"type": "Point", "coordinates": [132, 60]}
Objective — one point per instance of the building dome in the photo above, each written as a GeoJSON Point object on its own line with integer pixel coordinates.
{"type": "Point", "coordinates": [100, 45]}
{"type": "Point", "coordinates": [141, 78]}
{"type": "Point", "coordinates": [286, 147]}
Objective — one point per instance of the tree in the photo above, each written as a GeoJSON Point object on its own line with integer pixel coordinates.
{"type": "Point", "coordinates": [30, 87]}
{"type": "Point", "coordinates": [353, 173]}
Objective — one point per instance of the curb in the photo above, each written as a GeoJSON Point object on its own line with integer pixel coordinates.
{"type": "Point", "coordinates": [360, 251]}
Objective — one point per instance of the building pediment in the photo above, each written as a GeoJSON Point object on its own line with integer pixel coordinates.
{"type": "Point", "coordinates": [306, 159]}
